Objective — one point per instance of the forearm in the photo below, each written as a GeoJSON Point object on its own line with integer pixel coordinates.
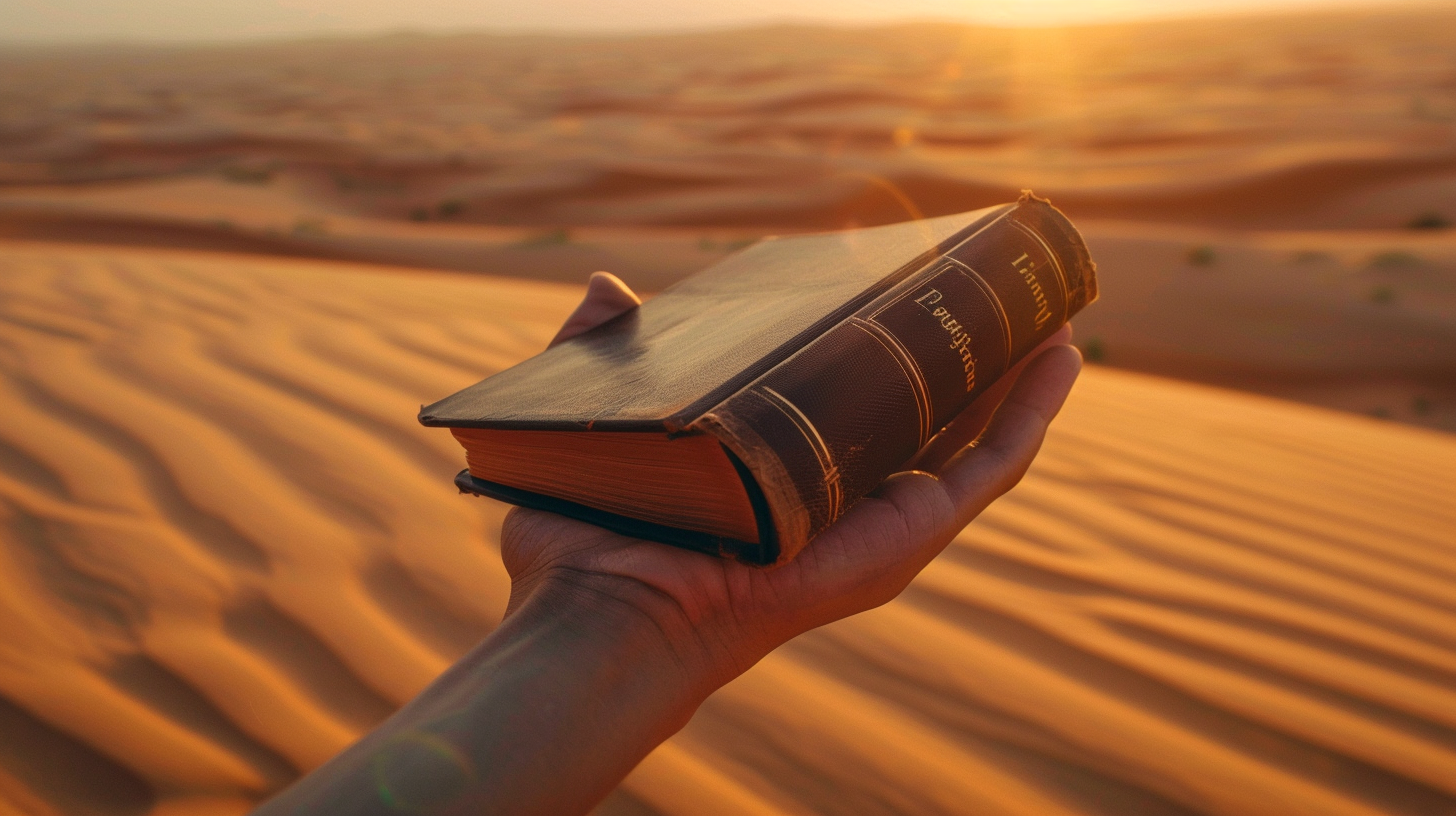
{"type": "Point", "coordinates": [545, 716]}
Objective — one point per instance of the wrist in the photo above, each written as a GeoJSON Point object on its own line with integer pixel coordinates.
{"type": "Point", "coordinates": [576, 676]}
{"type": "Point", "coordinates": [698, 641]}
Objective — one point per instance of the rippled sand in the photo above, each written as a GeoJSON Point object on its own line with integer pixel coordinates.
{"type": "Point", "coordinates": [226, 549]}
{"type": "Point", "coordinates": [1266, 195]}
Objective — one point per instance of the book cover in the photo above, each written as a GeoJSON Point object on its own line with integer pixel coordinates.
{"type": "Point", "coordinates": [821, 363]}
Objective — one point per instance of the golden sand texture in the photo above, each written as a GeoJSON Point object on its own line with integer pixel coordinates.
{"type": "Point", "coordinates": [226, 549]}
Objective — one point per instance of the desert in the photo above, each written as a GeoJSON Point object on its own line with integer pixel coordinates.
{"type": "Point", "coordinates": [1308, 156]}
{"type": "Point", "coordinates": [230, 275]}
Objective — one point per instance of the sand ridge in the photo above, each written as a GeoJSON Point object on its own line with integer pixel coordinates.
{"type": "Point", "coordinates": [1271, 196]}
{"type": "Point", "coordinates": [257, 552]}
{"type": "Point", "coordinates": [228, 549]}
{"type": "Point", "coordinates": [1288, 121]}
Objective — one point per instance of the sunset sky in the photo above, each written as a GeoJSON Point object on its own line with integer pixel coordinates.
{"type": "Point", "coordinates": [72, 20]}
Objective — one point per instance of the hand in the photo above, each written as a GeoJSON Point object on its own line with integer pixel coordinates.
{"type": "Point", "coordinates": [610, 643]}
{"type": "Point", "coordinates": [719, 616]}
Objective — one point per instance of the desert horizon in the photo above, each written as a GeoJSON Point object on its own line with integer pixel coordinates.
{"type": "Point", "coordinates": [1327, 167]}
{"type": "Point", "coordinates": [231, 274]}
{"type": "Point", "coordinates": [153, 22]}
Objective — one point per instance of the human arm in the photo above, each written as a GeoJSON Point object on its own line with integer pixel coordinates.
{"type": "Point", "coordinates": [609, 643]}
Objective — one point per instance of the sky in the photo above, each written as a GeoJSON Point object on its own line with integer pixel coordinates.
{"type": "Point", "coordinates": [191, 20]}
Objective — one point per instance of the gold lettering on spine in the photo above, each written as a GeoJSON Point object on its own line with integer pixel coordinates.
{"type": "Point", "coordinates": [1056, 267]}
{"type": "Point", "coordinates": [960, 337]}
{"type": "Point", "coordinates": [1025, 267]}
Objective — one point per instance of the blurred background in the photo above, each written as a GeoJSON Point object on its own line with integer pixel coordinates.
{"type": "Point", "coordinates": [1269, 187]}
{"type": "Point", "coordinates": [242, 241]}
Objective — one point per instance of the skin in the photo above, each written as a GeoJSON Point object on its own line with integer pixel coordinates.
{"type": "Point", "coordinates": [609, 643]}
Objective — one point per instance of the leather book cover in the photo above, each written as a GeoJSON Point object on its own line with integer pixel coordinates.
{"type": "Point", "coordinates": [822, 363]}
{"type": "Point", "coordinates": [658, 367]}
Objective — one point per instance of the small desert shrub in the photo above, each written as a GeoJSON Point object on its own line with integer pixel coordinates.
{"type": "Point", "coordinates": [1421, 405]}
{"type": "Point", "coordinates": [1202, 256]}
{"type": "Point", "coordinates": [1311, 256]}
{"type": "Point", "coordinates": [1093, 350]}
{"type": "Point", "coordinates": [311, 227]}
{"type": "Point", "coordinates": [1394, 259]}
{"type": "Point", "coordinates": [450, 208]}
{"type": "Point", "coordinates": [247, 175]}
{"type": "Point", "coordinates": [348, 183]}
{"type": "Point", "coordinates": [1429, 221]}
{"type": "Point", "coordinates": [1382, 294]}
{"type": "Point", "coordinates": [419, 214]}
{"type": "Point", "coordinates": [550, 238]}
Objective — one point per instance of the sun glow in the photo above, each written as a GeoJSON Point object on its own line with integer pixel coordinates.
{"type": "Point", "coordinates": [1019, 13]}
{"type": "Point", "coordinates": [62, 20]}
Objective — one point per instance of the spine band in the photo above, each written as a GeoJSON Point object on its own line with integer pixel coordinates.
{"type": "Point", "coordinates": [859, 401]}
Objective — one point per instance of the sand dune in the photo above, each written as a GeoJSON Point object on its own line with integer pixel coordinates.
{"type": "Point", "coordinates": [1287, 121]}
{"type": "Point", "coordinates": [1360, 320]}
{"type": "Point", "coordinates": [1311, 156]}
{"type": "Point", "coordinates": [1354, 320]}
{"type": "Point", "coordinates": [227, 549]}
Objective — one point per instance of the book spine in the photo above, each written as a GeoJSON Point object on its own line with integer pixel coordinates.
{"type": "Point", "coordinates": [827, 425]}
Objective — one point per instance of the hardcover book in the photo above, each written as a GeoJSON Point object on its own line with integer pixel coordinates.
{"type": "Point", "coordinates": [743, 410]}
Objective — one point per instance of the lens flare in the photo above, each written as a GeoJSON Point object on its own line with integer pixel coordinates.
{"type": "Point", "coordinates": [418, 771]}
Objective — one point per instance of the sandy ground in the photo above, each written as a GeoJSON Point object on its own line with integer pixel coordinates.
{"type": "Point", "coordinates": [1333, 120]}
{"type": "Point", "coordinates": [226, 549]}
{"type": "Point", "coordinates": [1362, 320]}
{"type": "Point", "coordinates": [1270, 198]}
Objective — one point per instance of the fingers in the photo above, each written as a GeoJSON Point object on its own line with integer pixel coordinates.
{"type": "Point", "coordinates": [606, 297]}
{"type": "Point", "coordinates": [964, 429]}
{"type": "Point", "coordinates": [933, 508]}
{"type": "Point", "coordinates": [913, 515]}
{"type": "Point", "coordinates": [974, 477]}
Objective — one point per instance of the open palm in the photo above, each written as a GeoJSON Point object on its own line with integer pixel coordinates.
{"type": "Point", "coordinates": [732, 614]}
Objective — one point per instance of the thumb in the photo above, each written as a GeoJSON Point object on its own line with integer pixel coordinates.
{"type": "Point", "coordinates": [606, 297]}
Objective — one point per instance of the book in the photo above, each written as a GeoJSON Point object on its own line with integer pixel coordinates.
{"type": "Point", "coordinates": [744, 409]}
